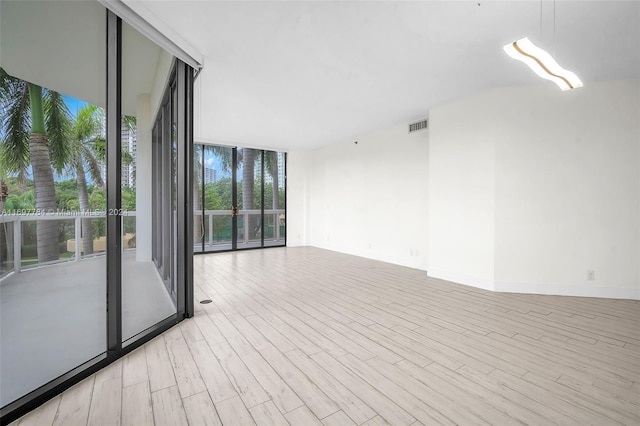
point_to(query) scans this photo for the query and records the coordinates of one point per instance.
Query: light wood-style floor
(311, 337)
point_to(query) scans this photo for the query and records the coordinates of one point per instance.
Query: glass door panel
(249, 172)
(218, 198)
(148, 296)
(274, 199)
(52, 292)
(174, 193)
(240, 199)
(199, 230)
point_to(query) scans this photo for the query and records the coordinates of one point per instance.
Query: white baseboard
(534, 288)
(568, 290)
(461, 279)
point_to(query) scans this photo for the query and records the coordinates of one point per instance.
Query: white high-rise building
(129, 145)
(267, 173)
(210, 175)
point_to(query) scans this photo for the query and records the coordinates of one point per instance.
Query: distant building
(129, 145)
(267, 173)
(210, 175)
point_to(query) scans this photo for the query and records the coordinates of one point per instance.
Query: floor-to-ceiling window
(53, 223)
(80, 279)
(148, 294)
(239, 198)
(165, 193)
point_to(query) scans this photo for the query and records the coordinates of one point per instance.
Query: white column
(143, 179)
(17, 245)
(78, 238)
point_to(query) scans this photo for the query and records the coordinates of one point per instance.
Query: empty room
(319, 212)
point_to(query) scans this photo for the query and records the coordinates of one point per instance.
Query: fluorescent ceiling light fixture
(542, 63)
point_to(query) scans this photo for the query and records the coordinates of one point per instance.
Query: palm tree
(248, 170)
(246, 157)
(86, 136)
(271, 166)
(35, 123)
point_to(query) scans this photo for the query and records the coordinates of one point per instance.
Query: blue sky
(73, 104)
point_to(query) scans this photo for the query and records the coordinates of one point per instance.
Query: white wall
(520, 189)
(558, 174)
(461, 195)
(368, 199)
(162, 72)
(297, 198)
(144, 183)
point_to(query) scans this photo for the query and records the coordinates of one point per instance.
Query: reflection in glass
(199, 226)
(249, 185)
(274, 198)
(145, 299)
(52, 267)
(218, 200)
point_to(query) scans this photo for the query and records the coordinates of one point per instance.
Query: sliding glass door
(96, 243)
(240, 199)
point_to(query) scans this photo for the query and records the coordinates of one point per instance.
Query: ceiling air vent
(419, 125)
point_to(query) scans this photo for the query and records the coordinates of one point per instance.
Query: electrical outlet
(591, 275)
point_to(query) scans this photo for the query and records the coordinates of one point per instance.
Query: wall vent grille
(419, 125)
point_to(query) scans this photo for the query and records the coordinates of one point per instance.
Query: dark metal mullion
(184, 267)
(165, 157)
(181, 199)
(114, 177)
(154, 210)
(187, 115)
(188, 254)
(234, 198)
(262, 199)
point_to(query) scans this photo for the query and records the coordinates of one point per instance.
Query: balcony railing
(12, 241)
(12, 229)
(273, 218)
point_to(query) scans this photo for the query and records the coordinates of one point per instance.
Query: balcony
(65, 299)
(53, 314)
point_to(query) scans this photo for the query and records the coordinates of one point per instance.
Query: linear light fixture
(542, 63)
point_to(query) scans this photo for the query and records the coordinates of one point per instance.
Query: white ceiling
(74, 59)
(306, 74)
(291, 74)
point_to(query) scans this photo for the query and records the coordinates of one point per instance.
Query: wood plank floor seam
(305, 336)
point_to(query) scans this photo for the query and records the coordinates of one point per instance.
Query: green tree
(222, 188)
(213, 201)
(66, 195)
(86, 136)
(98, 202)
(35, 123)
(246, 158)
